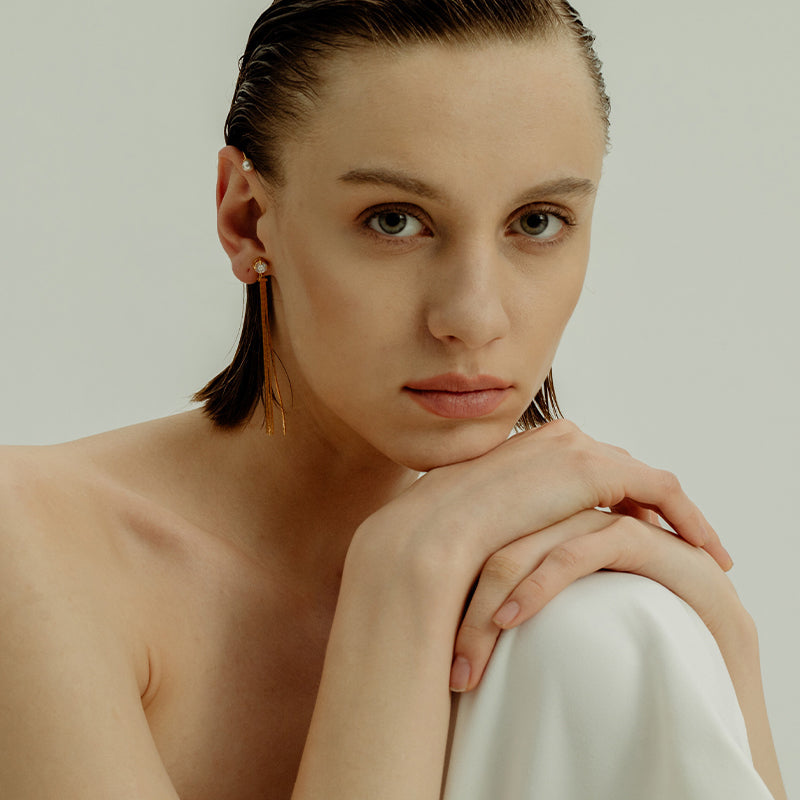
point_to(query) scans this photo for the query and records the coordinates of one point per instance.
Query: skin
(183, 570)
(466, 294)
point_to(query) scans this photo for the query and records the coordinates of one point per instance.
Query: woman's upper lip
(456, 382)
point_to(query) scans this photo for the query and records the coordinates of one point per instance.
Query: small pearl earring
(247, 165)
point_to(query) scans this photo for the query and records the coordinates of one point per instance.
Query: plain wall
(117, 301)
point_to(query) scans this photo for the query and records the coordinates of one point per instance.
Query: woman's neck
(299, 498)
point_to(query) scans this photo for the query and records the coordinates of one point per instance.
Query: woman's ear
(241, 202)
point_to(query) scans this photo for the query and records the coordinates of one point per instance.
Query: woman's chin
(424, 453)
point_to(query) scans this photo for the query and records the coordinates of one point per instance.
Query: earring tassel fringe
(270, 373)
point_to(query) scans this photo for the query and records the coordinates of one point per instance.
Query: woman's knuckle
(629, 543)
(565, 556)
(501, 568)
(590, 471)
(625, 526)
(562, 427)
(582, 457)
(533, 588)
(468, 634)
(669, 482)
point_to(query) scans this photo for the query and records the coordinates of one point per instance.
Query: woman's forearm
(380, 723)
(740, 651)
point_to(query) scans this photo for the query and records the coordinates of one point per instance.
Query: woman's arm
(72, 725)
(380, 723)
(739, 648)
(382, 712)
(523, 577)
(615, 690)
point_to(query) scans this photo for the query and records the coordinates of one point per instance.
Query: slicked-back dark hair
(279, 78)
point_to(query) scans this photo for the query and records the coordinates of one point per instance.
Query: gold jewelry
(247, 164)
(270, 374)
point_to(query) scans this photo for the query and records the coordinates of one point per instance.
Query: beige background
(116, 301)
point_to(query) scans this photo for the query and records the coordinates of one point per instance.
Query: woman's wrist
(381, 719)
(430, 566)
(738, 644)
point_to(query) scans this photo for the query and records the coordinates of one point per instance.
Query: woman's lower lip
(459, 405)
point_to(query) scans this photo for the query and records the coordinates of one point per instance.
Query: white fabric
(615, 691)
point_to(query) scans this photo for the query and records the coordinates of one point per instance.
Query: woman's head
(318, 75)
(282, 69)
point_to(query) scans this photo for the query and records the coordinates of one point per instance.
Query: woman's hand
(501, 514)
(410, 567)
(521, 578)
(541, 477)
(459, 516)
(408, 571)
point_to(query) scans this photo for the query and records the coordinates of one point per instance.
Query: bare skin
(206, 614)
(224, 648)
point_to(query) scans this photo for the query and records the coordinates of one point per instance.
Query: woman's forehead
(437, 80)
(442, 110)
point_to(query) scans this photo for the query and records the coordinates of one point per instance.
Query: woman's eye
(395, 223)
(539, 225)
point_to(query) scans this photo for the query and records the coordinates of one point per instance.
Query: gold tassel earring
(270, 374)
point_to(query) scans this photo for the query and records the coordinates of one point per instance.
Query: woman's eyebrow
(396, 178)
(561, 187)
(558, 187)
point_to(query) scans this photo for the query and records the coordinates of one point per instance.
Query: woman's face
(430, 242)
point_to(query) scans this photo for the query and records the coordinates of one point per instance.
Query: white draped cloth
(616, 690)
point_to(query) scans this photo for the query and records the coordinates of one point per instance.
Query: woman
(418, 229)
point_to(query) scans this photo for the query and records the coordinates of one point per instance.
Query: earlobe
(241, 202)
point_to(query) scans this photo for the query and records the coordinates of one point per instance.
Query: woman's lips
(459, 396)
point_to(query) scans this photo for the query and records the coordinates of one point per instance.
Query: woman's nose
(466, 301)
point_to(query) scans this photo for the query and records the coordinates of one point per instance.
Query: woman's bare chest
(234, 676)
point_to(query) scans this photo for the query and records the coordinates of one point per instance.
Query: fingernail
(459, 674)
(506, 614)
(730, 560)
(726, 555)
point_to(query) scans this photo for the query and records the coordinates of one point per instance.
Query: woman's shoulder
(42, 488)
(118, 505)
(55, 518)
(62, 571)
(74, 647)
(86, 499)
(46, 487)
(84, 540)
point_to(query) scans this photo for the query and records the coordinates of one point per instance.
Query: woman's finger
(630, 507)
(501, 574)
(674, 507)
(540, 478)
(633, 509)
(557, 470)
(626, 545)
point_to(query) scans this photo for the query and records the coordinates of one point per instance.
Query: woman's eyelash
(558, 212)
(565, 220)
(402, 209)
(415, 213)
